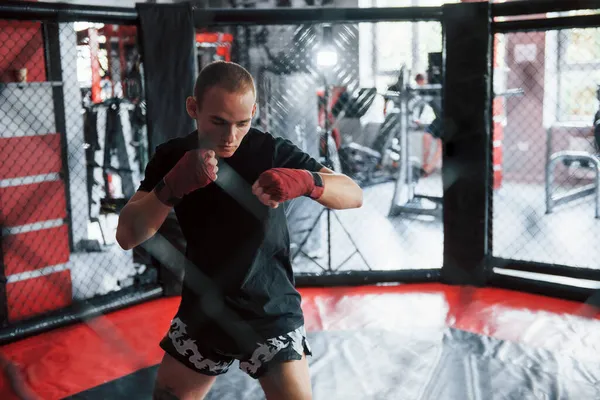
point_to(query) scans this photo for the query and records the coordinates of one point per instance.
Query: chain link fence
(72, 144)
(343, 93)
(546, 202)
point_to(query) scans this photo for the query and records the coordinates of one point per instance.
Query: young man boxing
(227, 182)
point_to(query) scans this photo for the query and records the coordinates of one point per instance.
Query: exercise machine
(569, 157)
(554, 200)
(407, 99)
(366, 165)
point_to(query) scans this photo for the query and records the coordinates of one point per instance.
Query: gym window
(572, 74)
(386, 46)
(578, 74)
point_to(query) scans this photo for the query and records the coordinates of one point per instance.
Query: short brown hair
(227, 75)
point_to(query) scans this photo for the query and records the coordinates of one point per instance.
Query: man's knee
(286, 395)
(286, 390)
(289, 380)
(177, 381)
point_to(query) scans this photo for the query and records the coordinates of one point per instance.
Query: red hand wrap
(284, 184)
(189, 174)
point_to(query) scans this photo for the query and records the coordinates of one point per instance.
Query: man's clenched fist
(196, 169)
(277, 185)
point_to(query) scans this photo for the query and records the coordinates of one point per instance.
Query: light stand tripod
(329, 212)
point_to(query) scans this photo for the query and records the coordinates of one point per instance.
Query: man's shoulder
(177, 145)
(257, 135)
(258, 140)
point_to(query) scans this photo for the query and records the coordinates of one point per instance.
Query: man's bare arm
(340, 191)
(140, 219)
(277, 185)
(145, 212)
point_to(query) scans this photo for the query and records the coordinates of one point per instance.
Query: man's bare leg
(429, 166)
(289, 380)
(175, 381)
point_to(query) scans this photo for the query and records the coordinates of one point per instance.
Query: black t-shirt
(240, 244)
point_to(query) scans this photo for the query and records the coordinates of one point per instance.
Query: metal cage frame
(468, 205)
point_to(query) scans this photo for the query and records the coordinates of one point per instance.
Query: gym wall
(35, 236)
(53, 252)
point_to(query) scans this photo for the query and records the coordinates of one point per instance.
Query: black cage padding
(167, 39)
(467, 147)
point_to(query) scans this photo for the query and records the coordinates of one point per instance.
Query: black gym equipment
(113, 149)
(366, 165)
(376, 163)
(383, 160)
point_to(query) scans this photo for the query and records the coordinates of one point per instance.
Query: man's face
(223, 118)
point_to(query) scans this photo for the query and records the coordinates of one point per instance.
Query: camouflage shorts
(179, 345)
